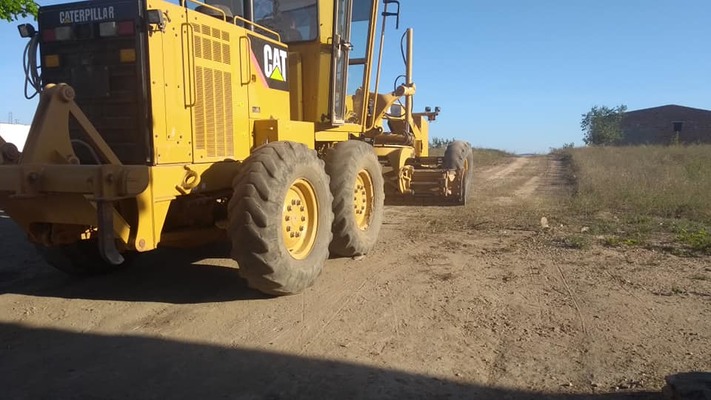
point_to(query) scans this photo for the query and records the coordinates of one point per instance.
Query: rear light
(63, 33)
(51, 61)
(60, 33)
(108, 29)
(127, 55)
(48, 35)
(126, 28)
(113, 28)
(87, 31)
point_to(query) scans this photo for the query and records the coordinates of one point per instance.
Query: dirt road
(467, 312)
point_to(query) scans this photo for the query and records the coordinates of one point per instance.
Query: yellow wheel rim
(300, 219)
(363, 199)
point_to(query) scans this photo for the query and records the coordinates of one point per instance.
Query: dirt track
(471, 313)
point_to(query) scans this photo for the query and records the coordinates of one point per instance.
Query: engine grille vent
(214, 127)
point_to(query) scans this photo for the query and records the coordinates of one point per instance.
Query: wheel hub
(299, 219)
(363, 200)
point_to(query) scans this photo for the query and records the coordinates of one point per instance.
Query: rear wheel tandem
(358, 197)
(280, 218)
(459, 156)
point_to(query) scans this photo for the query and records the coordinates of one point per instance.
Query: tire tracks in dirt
(501, 172)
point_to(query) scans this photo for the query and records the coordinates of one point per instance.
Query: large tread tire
(344, 162)
(256, 218)
(82, 258)
(459, 155)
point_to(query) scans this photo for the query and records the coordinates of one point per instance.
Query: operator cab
(294, 20)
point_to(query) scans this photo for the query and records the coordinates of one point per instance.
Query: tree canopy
(439, 143)
(10, 10)
(602, 125)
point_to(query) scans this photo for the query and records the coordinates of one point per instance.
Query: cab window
(294, 20)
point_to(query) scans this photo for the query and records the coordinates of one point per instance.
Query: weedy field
(484, 157)
(658, 196)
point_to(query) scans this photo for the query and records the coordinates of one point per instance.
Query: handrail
(235, 18)
(256, 25)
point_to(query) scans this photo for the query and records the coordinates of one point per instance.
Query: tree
(439, 143)
(11, 9)
(602, 125)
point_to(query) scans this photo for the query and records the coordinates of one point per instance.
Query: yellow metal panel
(397, 155)
(169, 95)
(315, 72)
(384, 151)
(265, 102)
(339, 133)
(423, 124)
(331, 136)
(296, 82)
(272, 130)
(169, 182)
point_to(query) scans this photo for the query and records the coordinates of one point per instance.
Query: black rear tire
(459, 155)
(258, 219)
(355, 226)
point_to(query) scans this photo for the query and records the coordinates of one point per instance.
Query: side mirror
(395, 14)
(26, 30)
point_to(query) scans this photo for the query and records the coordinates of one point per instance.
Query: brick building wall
(656, 125)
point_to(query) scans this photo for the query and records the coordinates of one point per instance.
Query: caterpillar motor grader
(256, 121)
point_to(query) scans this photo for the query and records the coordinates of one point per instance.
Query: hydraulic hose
(29, 60)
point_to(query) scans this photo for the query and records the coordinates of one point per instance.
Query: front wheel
(459, 156)
(280, 218)
(358, 197)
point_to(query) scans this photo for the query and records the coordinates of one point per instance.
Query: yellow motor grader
(257, 121)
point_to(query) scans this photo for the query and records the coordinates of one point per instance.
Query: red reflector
(125, 28)
(48, 35)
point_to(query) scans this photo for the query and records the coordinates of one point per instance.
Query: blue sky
(518, 74)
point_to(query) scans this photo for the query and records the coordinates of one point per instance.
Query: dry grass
(489, 157)
(482, 157)
(652, 197)
(635, 194)
(668, 182)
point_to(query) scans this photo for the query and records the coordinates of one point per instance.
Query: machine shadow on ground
(48, 363)
(179, 276)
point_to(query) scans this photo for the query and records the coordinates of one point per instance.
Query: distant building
(15, 134)
(665, 125)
